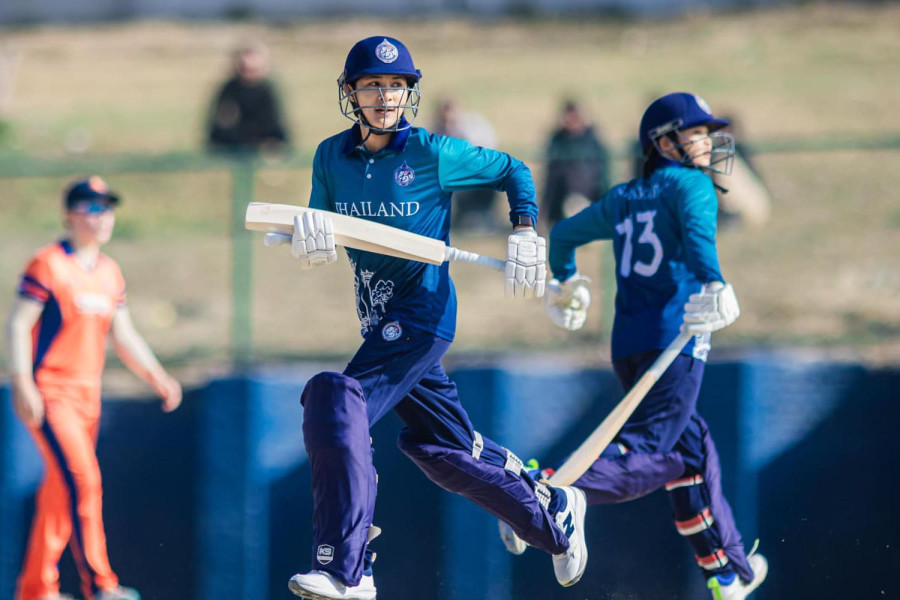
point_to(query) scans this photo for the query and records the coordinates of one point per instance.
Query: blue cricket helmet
(674, 112)
(379, 55)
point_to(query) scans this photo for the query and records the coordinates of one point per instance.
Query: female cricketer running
(71, 297)
(385, 170)
(663, 229)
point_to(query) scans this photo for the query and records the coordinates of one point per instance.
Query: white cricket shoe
(513, 543)
(319, 585)
(569, 567)
(118, 593)
(739, 589)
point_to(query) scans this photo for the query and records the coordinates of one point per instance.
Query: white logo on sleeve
(386, 52)
(325, 554)
(391, 331)
(404, 175)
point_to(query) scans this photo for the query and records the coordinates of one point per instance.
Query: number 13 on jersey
(647, 236)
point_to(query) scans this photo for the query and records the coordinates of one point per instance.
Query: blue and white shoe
(319, 585)
(569, 567)
(118, 593)
(737, 589)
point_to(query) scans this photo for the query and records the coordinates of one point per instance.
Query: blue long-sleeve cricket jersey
(408, 185)
(663, 230)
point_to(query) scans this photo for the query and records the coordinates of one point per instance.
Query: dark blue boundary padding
(213, 500)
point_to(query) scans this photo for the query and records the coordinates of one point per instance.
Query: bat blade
(350, 232)
(583, 457)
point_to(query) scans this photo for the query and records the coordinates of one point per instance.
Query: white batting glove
(312, 242)
(567, 308)
(712, 309)
(526, 264)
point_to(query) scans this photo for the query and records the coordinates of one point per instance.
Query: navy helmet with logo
(672, 113)
(379, 55)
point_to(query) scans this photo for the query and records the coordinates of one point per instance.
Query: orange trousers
(69, 502)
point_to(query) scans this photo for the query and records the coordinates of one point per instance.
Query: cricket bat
(370, 236)
(583, 457)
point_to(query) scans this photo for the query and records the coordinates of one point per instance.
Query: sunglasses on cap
(91, 207)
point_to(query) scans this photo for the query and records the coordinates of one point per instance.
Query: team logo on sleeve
(325, 554)
(386, 52)
(391, 331)
(404, 175)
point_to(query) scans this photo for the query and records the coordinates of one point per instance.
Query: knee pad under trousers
(703, 516)
(336, 435)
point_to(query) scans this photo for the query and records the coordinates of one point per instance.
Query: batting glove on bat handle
(566, 302)
(526, 264)
(714, 308)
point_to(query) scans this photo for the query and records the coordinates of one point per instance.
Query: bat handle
(457, 255)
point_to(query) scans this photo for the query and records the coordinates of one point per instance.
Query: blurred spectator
(748, 200)
(577, 165)
(246, 114)
(474, 208)
(10, 59)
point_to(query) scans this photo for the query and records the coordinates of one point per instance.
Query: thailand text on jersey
(70, 336)
(408, 185)
(663, 230)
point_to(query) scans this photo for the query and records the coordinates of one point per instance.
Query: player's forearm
(18, 349)
(701, 256)
(19, 345)
(698, 231)
(137, 356)
(568, 235)
(521, 193)
(134, 351)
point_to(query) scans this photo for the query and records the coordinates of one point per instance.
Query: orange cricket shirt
(79, 304)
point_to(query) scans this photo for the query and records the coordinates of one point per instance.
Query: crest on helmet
(703, 104)
(386, 52)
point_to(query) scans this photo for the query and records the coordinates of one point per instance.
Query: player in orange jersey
(71, 298)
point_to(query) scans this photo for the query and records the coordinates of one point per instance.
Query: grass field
(822, 274)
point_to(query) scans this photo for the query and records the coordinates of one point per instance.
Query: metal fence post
(242, 180)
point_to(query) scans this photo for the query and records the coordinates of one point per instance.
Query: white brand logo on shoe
(325, 554)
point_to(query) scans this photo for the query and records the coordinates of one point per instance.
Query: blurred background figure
(748, 200)
(474, 208)
(246, 114)
(71, 299)
(10, 58)
(577, 165)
